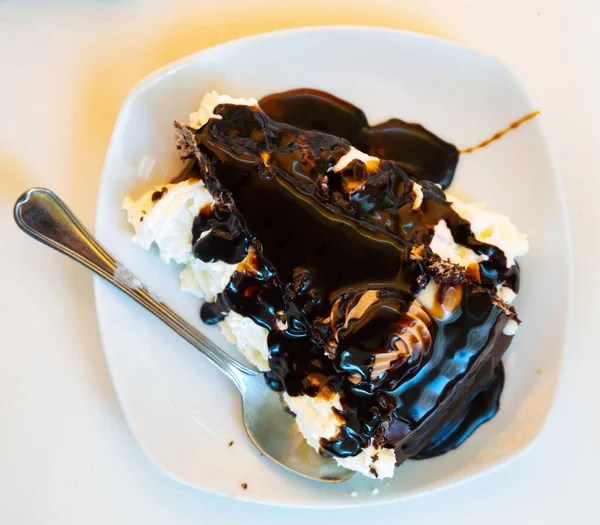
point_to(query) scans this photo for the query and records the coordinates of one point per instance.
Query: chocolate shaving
(184, 140)
(443, 271)
(438, 269)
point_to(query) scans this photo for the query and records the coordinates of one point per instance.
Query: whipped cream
(511, 327)
(317, 419)
(206, 280)
(382, 467)
(444, 245)
(417, 191)
(493, 228)
(355, 154)
(488, 226)
(506, 293)
(250, 338)
(208, 104)
(167, 223)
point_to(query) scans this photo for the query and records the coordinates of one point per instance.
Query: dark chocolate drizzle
(422, 155)
(307, 238)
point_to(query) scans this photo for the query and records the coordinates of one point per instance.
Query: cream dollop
(250, 338)
(317, 419)
(208, 104)
(417, 191)
(355, 154)
(506, 293)
(493, 228)
(444, 245)
(166, 220)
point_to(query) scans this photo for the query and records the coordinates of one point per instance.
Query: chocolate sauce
(423, 155)
(479, 407)
(309, 239)
(157, 195)
(501, 133)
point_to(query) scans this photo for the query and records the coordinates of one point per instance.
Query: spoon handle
(43, 216)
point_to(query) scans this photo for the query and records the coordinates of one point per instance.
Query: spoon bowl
(272, 429)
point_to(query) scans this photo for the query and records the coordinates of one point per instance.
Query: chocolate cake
(333, 255)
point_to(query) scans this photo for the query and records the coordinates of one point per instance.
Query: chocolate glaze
(458, 427)
(309, 239)
(423, 155)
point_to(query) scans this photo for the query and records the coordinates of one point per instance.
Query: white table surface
(66, 454)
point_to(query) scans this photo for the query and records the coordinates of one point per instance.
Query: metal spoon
(43, 216)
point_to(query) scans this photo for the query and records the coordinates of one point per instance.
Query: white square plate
(182, 411)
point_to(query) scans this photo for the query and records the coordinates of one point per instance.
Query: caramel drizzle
(500, 134)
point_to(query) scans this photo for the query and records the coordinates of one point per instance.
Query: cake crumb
(244, 486)
(354, 494)
(374, 492)
(539, 371)
(231, 443)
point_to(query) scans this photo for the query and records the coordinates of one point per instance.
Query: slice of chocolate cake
(381, 309)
